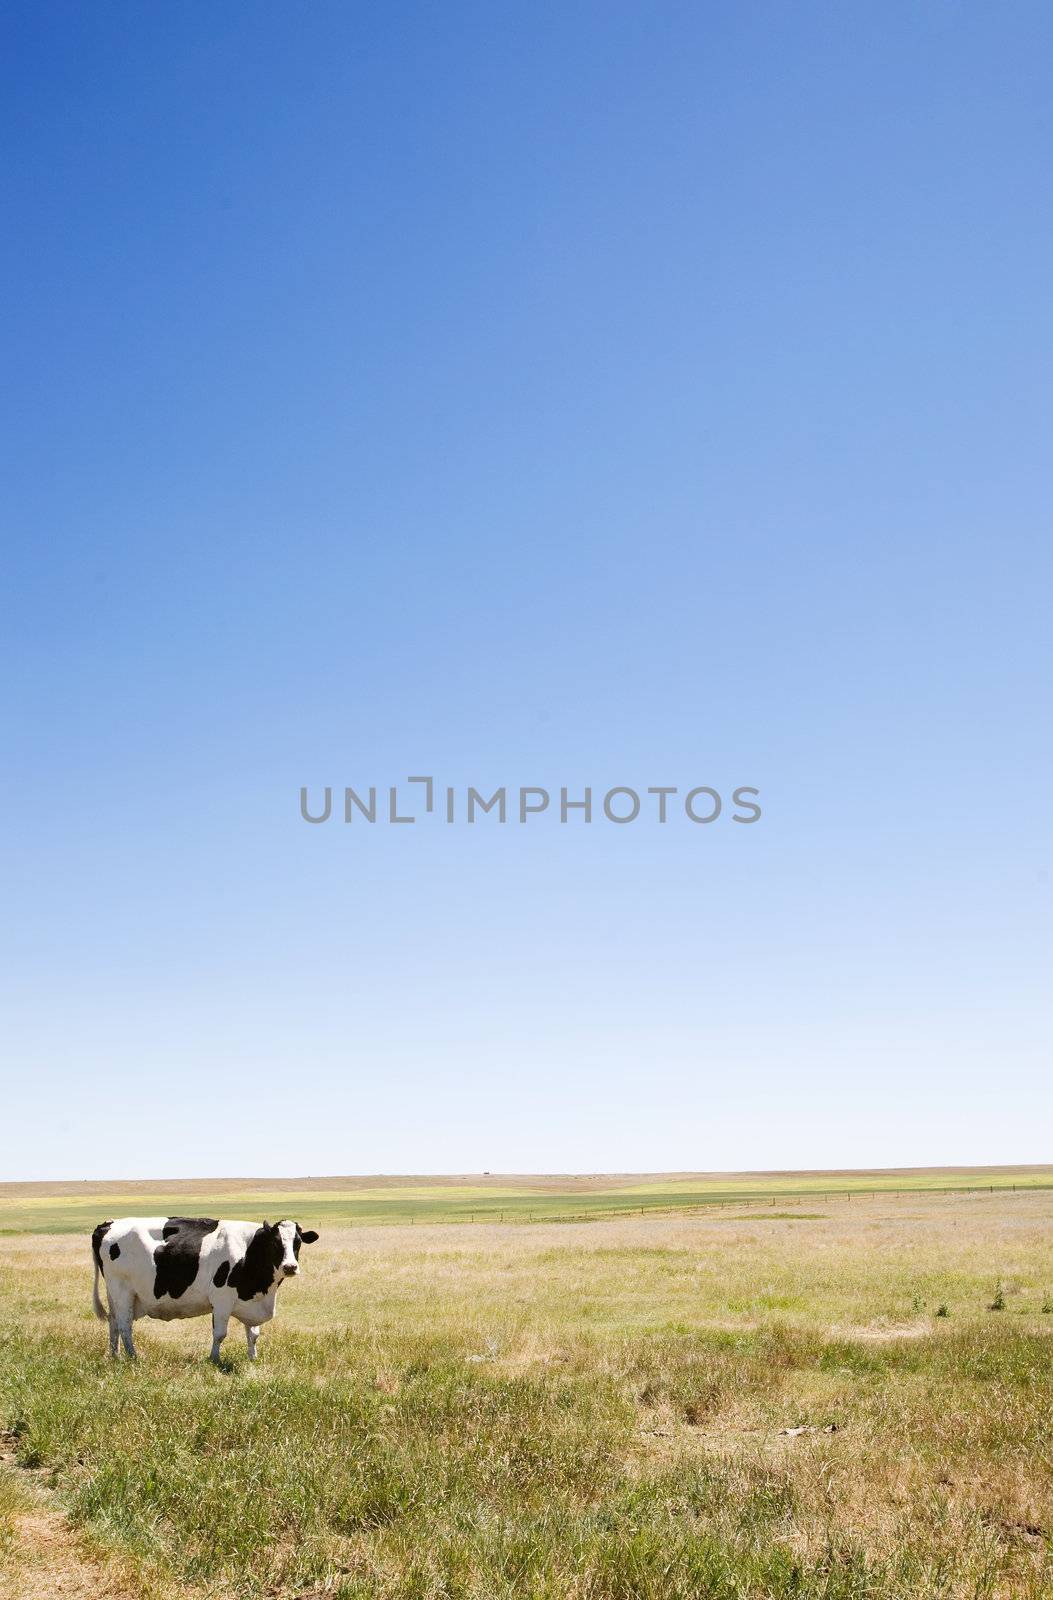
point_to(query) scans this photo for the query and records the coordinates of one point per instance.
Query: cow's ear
(266, 1225)
(309, 1237)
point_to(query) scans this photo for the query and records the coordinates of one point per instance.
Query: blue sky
(588, 394)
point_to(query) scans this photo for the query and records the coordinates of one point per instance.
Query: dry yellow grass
(649, 1407)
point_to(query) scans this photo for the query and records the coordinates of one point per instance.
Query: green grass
(452, 1480)
(584, 1412)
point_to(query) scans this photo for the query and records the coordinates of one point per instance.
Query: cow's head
(286, 1237)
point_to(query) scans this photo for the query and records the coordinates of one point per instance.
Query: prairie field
(820, 1393)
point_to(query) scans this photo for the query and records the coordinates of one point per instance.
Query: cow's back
(127, 1245)
(160, 1263)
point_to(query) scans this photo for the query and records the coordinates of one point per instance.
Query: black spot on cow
(174, 1225)
(221, 1274)
(254, 1273)
(115, 1251)
(176, 1260)
(97, 1236)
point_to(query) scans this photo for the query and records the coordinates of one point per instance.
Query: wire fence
(756, 1204)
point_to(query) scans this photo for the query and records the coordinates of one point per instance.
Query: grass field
(806, 1399)
(72, 1207)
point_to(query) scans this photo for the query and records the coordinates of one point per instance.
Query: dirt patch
(663, 1444)
(879, 1333)
(40, 1554)
(44, 1559)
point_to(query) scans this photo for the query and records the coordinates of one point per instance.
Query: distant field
(69, 1207)
(808, 1401)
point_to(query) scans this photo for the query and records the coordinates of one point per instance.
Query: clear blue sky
(589, 393)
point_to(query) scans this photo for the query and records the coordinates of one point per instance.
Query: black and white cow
(172, 1267)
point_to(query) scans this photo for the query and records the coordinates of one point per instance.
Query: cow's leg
(219, 1330)
(125, 1319)
(251, 1335)
(122, 1315)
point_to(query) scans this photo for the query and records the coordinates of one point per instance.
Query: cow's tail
(96, 1298)
(96, 1250)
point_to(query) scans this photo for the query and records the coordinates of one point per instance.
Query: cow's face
(289, 1236)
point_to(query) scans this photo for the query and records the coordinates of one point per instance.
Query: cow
(171, 1267)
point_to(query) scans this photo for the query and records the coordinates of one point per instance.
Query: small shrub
(1047, 1304)
(943, 1310)
(998, 1303)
